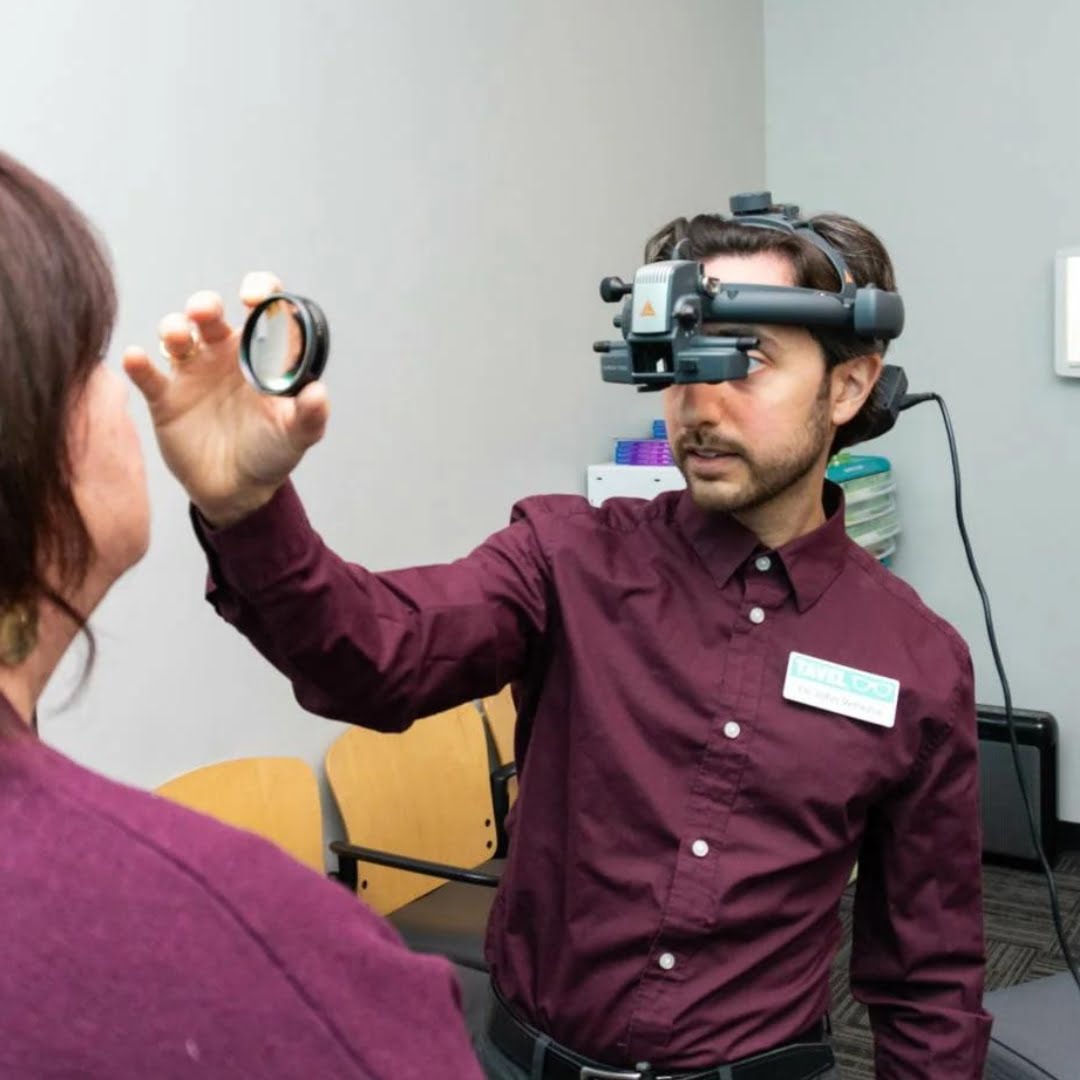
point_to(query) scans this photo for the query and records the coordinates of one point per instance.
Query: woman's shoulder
(134, 840)
(194, 910)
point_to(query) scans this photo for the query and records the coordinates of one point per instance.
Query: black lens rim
(315, 343)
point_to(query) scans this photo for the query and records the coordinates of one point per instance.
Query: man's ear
(852, 382)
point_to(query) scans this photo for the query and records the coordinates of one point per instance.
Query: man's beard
(765, 480)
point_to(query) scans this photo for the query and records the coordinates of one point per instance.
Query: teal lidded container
(871, 516)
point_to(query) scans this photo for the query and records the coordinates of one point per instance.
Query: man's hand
(228, 445)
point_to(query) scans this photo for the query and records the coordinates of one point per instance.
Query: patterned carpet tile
(855, 1056)
(1008, 964)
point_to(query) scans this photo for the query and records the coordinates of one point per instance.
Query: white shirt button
(763, 563)
(700, 848)
(732, 729)
(666, 961)
(757, 616)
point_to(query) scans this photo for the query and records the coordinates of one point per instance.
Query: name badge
(846, 691)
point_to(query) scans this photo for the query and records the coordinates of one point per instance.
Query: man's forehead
(758, 268)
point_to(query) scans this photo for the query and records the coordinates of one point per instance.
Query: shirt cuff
(260, 549)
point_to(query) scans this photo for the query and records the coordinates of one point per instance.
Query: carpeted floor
(1020, 942)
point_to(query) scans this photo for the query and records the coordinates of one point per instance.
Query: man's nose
(702, 404)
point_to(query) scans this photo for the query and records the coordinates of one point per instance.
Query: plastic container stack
(642, 452)
(870, 515)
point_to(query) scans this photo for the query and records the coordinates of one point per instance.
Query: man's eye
(755, 365)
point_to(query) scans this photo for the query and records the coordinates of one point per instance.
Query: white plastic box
(630, 481)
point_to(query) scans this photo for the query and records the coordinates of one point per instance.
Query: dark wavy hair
(707, 235)
(57, 307)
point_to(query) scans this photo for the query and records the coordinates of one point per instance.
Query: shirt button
(732, 729)
(757, 616)
(666, 961)
(700, 848)
(763, 563)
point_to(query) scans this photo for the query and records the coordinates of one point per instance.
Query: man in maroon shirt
(693, 796)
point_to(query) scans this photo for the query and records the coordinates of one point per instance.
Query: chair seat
(1034, 1031)
(451, 920)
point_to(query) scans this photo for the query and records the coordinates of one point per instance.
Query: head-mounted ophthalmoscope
(668, 303)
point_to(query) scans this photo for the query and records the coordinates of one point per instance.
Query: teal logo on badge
(847, 691)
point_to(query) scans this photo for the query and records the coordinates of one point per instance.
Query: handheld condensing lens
(284, 345)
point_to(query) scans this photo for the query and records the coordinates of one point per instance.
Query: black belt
(803, 1058)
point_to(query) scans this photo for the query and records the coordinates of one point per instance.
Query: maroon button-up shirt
(141, 941)
(683, 832)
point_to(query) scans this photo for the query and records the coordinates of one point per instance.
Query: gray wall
(951, 129)
(451, 181)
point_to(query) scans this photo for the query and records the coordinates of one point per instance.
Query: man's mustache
(692, 443)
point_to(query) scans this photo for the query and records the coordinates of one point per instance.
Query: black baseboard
(1016, 862)
(1068, 833)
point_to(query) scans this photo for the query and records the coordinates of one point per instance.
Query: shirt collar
(812, 561)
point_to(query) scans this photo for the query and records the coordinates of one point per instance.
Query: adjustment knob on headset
(614, 288)
(751, 202)
(688, 313)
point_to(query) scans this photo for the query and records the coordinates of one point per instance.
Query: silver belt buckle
(589, 1073)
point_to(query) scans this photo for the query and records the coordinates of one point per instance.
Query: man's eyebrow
(714, 329)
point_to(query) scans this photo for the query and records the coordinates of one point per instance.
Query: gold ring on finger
(188, 352)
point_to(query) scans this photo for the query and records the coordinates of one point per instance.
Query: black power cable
(1055, 909)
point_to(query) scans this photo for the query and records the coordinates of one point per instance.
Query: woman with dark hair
(139, 939)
